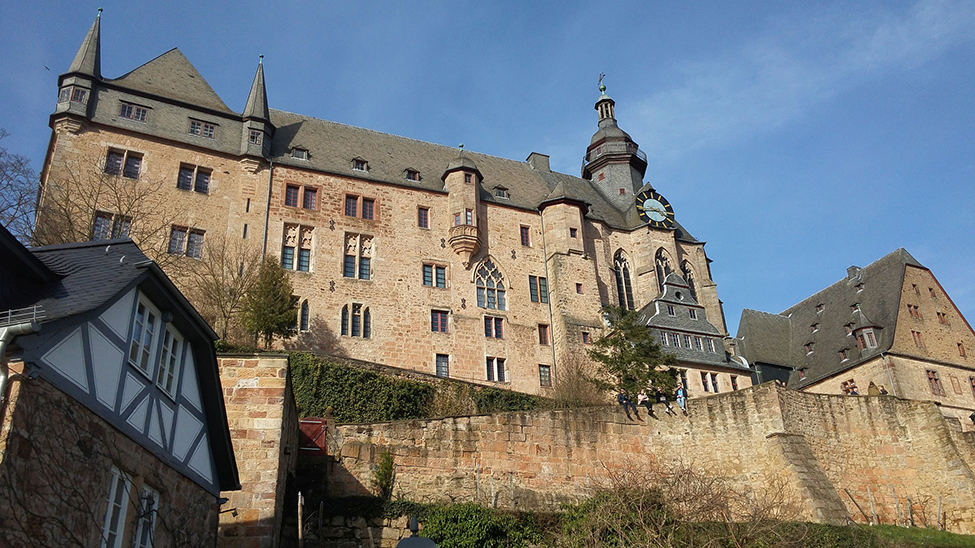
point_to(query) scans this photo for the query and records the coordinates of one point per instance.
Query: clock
(654, 209)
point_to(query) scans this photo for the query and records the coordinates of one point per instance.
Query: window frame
(544, 375)
(291, 193)
(934, 382)
(494, 327)
(173, 354)
(423, 217)
(118, 227)
(439, 321)
(299, 153)
(442, 365)
(544, 335)
(309, 198)
(129, 163)
(133, 112)
(113, 526)
(255, 137)
(358, 266)
(189, 244)
(147, 511)
(524, 233)
(538, 289)
(201, 128)
(490, 287)
(145, 350)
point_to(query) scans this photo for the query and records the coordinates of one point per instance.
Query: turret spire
(88, 61)
(256, 107)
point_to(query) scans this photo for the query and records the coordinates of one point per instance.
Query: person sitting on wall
(883, 391)
(643, 399)
(853, 389)
(873, 389)
(681, 394)
(624, 400)
(662, 398)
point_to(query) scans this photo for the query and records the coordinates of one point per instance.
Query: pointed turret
(462, 181)
(256, 107)
(614, 163)
(76, 86)
(88, 60)
(258, 130)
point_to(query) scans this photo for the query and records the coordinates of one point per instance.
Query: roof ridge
(413, 139)
(82, 245)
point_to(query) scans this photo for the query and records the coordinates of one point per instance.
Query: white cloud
(798, 63)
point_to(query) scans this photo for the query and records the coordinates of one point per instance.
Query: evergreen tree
(628, 355)
(268, 307)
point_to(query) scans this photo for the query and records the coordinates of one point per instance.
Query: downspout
(267, 209)
(551, 320)
(893, 387)
(7, 334)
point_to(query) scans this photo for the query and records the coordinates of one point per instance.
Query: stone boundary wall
(816, 447)
(263, 423)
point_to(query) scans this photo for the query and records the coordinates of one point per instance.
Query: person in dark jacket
(662, 398)
(624, 400)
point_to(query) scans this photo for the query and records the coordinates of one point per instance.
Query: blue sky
(796, 138)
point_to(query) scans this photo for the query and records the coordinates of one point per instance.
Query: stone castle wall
(817, 447)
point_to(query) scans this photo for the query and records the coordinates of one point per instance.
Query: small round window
(679, 295)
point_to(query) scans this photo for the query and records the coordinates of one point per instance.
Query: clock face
(654, 209)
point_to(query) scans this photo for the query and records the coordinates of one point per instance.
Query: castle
(401, 252)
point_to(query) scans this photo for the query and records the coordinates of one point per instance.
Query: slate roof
(655, 316)
(333, 146)
(256, 106)
(171, 75)
(781, 339)
(88, 60)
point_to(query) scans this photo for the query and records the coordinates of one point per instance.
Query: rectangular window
(434, 276)
(368, 208)
(573, 233)
(291, 196)
(579, 288)
(538, 289)
(412, 175)
(364, 268)
(674, 340)
(255, 137)
(710, 343)
(288, 257)
(692, 313)
(348, 268)
(356, 320)
(443, 365)
(489, 368)
(73, 94)
(843, 356)
(671, 311)
(194, 244)
(184, 181)
(586, 338)
(663, 339)
(467, 178)
(125, 163)
(118, 503)
(359, 165)
(545, 375)
(351, 205)
(358, 253)
(734, 382)
(687, 341)
(495, 369)
(961, 350)
(935, 383)
(203, 129)
(148, 507)
(304, 260)
(704, 382)
(310, 199)
(133, 112)
(107, 226)
(698, 344)
(543, 334)
(525, 237)
(438, 321)
(493, 327)
(918, 341)
(469, 217)
(456, 219)
(169, 361)
(144, 327)
(186, 241)
(714, 381)
(423, 217)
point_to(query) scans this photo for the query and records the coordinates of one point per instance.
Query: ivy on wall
(361, 396)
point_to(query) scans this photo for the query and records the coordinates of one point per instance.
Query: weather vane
(602, 86)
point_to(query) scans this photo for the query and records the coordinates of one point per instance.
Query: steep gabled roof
(866, 297)
(88, 60)
(256, 106)
(171, 75)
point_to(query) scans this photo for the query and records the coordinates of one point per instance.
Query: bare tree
(18, 193)
(81, 201)
(573, 385)
(219, 281)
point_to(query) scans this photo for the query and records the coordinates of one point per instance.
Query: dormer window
(815, 327)
(255, 136)
(299, 153)
(866, 339)
(203, 129)
(359, 164)
(501, 192)
(133, 112)
(820, 307)
(692, 313)
(412, 175)
(809, 348)
(859, 287)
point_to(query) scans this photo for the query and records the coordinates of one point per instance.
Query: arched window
(663, 267)
(358, 323)
(303, 317)
(490, 286)
(685, 269)
(623, 288)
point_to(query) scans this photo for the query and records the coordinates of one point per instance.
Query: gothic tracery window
(490, 286)
(624, 290)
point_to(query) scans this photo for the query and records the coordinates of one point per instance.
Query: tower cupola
(75, 87)
(258, 130)
(462, 180)
(613, 162)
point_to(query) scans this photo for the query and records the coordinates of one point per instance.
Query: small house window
(299, 153)
(412, 175)
(360, 165)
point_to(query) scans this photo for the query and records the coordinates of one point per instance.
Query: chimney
(538, 161)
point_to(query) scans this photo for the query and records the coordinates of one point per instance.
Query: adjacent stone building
(889, 324)
(401, 252)
(113, 431)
